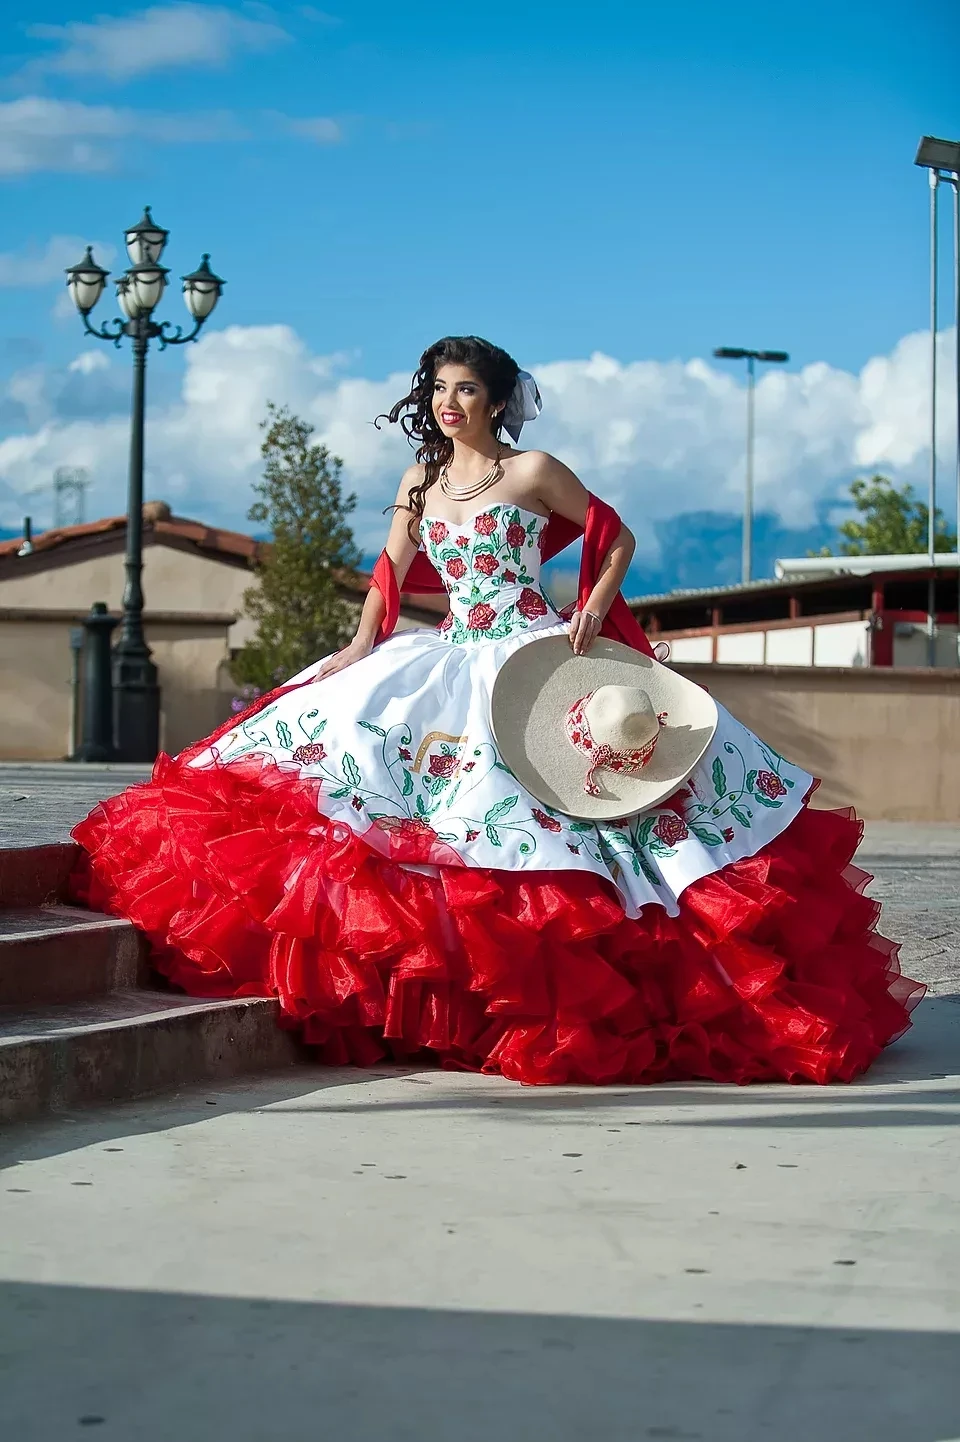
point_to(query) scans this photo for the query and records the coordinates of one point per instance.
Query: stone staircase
(82, 1018)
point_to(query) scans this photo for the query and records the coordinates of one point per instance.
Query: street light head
(85, 282)
(201, 290)
(145, 240)
(126, 298)
(939, 154)
(773, 357)
(731, 352)
(143, 289)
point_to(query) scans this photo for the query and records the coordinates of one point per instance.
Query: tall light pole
(769, 357)
(136, 692)
(941, 158)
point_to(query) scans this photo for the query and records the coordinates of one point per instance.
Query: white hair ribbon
(524, 405)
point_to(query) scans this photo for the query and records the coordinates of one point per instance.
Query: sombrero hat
(598, 736)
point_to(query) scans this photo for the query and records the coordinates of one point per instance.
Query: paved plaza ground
(411, 1254)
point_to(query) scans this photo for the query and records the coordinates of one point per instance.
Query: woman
(356, 845)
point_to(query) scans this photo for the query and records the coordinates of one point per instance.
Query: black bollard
(97, 740)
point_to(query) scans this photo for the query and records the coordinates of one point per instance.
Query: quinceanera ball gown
(357, 848)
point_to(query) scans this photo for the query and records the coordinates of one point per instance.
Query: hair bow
(524, 405)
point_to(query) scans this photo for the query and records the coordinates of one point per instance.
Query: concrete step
(34, 875)
(62, 953)
(129, 1043)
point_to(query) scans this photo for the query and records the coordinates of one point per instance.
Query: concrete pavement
(421, 1255)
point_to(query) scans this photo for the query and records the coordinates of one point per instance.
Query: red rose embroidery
(485, 524)
(438, 533)
(403, 753)
(510, 577)
(481, 617)
(770, 784)
(516, 535)
(547, 822)
(728, 833)
(446, 623)
(470, 765)
(531, 604)
(486, 564)
(670, 829)
(412, 827)
(457, 568)
(443, 765)
(357, 803)
(462, 541)
(574, 849)
(310, 755)
(472, 835)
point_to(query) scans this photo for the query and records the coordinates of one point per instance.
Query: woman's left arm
(558, 489)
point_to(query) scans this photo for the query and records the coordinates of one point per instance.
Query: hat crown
(621, 717)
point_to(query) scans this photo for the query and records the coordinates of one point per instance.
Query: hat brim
(532, 694)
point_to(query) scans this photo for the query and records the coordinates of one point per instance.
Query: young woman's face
(461, 405)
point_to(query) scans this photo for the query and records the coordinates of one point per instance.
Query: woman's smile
(452, 418)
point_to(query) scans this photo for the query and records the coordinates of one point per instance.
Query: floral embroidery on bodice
(490, 565)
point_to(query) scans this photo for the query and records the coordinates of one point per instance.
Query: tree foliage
(297, 604)
(890, 521)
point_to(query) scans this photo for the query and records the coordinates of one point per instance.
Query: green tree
(890, 522)
(297, 603)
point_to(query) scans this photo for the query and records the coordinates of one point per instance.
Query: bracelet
(598, 619)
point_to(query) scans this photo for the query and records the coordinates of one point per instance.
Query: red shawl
(601, 530)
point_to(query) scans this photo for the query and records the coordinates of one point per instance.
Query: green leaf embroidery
(408, 787)
(644, 830)
(421, 804)
(645, 867)
(343, 791)
(582, 825)
(369, 726)
(751, 778)
(765, 801)
(707, 835)
(500, 809)
(318, 730)
(284, 736)
(719, 777)
(493, 836)
(740, 816)
(350, 769)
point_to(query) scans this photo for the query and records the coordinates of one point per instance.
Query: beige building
(825, 670)
(194, 579)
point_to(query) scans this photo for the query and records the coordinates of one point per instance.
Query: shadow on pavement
(882, 1098)
(159, 1366)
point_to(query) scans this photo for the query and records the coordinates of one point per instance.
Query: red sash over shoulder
(601, 530)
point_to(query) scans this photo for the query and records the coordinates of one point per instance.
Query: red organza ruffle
(772, 970)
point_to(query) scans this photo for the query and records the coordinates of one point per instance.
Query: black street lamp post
(136, 692)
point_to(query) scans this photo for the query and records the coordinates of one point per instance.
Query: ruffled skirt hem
(772, 971)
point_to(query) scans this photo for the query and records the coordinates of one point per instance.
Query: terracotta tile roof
(157, 518)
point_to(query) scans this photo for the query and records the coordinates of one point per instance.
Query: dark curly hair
(494, 367)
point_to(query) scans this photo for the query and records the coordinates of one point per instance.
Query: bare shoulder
(534, 467)
(412, 476)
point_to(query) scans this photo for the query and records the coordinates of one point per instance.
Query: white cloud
(162, 36)
(89, 361)
(38, 134)
(320, 128)
(656, 439)
(42, 266)
(62, 135)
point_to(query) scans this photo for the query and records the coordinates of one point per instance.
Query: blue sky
(638, 180)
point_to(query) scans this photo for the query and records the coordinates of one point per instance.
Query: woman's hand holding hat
(584, 630)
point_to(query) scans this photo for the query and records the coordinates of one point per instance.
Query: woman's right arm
(401, 550)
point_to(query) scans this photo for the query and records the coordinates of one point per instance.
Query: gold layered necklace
(475, 488)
